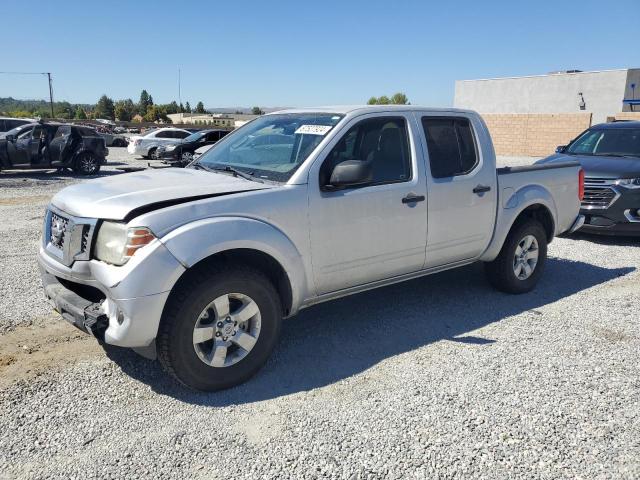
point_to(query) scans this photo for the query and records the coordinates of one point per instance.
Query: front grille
(598, 196)
(68, 238)
(58, 230)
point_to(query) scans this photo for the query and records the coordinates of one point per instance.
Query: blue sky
(296, 53)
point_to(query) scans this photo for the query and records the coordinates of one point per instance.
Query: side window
(164, 134)
(382, 141)
(212, 137)
(451, 145)
(180, 134)
(39, 132)
(26, 133)
(63, 131)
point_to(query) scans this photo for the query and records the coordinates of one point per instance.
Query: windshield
(16, 131)
(271, 147)
(613, 142)
(194, 137)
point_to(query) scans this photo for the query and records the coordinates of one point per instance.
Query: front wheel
(219, 327)
(521, 261)
(153, 154)
(87, 164)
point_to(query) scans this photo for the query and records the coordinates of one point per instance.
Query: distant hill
(244, 110)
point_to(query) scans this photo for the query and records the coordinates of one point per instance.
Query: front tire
(153, 154)
(518, 267)
(219, 327)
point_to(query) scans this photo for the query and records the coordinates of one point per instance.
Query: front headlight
(117, 243)
(629, 182)
(170, 148)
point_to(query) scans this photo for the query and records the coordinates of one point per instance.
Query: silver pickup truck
(199, 266)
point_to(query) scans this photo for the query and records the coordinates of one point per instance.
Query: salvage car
(147, 145)
(9, 123)
(181, 154)
(53, 145)
(610, 156)
(198, 266)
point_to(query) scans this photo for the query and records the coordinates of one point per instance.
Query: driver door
(19, 149)
(374, 231)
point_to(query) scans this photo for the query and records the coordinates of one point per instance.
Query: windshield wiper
(621, 155)
(201, 167)
(237, 173)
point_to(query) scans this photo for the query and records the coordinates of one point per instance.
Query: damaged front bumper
(118, 305)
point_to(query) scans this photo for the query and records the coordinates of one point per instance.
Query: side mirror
(350, 173)
(560, 148)
(11, 138)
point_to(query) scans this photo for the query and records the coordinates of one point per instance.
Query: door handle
(481, 189)
(412, 198)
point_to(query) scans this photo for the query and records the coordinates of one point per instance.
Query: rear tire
(518, 267)
(193, 327)
(86, 164)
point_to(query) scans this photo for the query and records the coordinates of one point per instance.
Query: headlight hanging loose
(117, 243)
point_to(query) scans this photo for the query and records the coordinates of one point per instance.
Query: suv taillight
(581, 184)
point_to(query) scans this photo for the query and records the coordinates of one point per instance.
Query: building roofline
(546, 75)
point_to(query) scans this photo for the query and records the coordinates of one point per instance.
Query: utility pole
(50, 93)
(179, 92)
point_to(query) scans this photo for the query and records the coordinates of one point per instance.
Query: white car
(146, 145)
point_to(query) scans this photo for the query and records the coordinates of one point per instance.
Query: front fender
(195, 241)
(509, 210)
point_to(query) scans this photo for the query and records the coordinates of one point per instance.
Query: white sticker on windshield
(313, 129)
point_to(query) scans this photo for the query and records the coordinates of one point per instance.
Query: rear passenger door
(461, 189)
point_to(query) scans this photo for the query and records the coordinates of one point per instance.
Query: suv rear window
(451, 145)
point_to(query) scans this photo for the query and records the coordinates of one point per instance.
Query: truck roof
(617, 124)
(347, 109)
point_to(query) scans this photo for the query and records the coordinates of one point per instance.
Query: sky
(302, 53)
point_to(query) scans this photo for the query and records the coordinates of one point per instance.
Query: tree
(172, 107)
(80, 115)
(257, 111)
(399, 99)
(200, 108)
(181, 108)
(187, 108)
(125, 110)
(145, 101)
(105, 108)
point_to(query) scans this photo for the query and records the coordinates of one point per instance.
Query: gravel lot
(439, 377)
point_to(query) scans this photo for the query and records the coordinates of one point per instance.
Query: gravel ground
(439, 377)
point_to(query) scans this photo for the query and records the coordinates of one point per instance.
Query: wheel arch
(251, 242)
(541, 209)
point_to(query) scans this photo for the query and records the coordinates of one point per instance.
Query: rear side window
(452, 147)
(180, 134)
(164, 134)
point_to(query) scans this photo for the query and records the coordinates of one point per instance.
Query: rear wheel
(86, 164)
(219, 328)
(521, 261)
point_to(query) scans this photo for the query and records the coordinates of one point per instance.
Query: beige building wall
(626, 116)
(534, 134)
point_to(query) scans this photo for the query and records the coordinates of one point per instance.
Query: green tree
(172, 107)
(399, 99)
(187, 108)
(105, 108)
(200, 108)
(80, 115)
(145, 101)
(125, 110)
(181, 108)
(257, 111)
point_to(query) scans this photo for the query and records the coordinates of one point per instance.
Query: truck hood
(117, 196)
(600, 167)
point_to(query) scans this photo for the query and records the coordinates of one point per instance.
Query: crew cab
(147, 145)
(609, 153)
(198, 266)
(53, 145)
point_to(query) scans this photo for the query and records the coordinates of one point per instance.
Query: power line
(48, 74)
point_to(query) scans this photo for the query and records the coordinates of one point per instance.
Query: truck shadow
(333, 341)
(619, 240)
(55, 175)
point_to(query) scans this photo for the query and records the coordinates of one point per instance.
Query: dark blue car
(610, 156)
